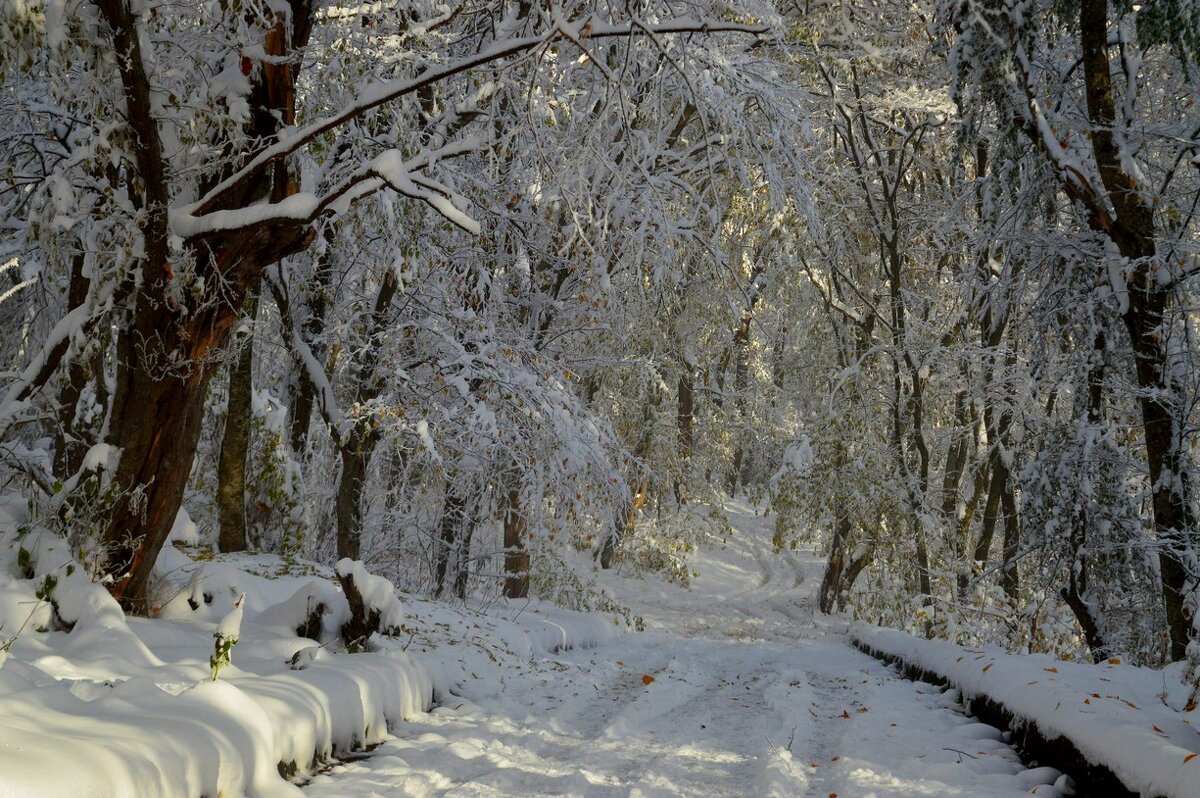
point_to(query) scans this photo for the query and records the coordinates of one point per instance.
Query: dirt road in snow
(735, 689)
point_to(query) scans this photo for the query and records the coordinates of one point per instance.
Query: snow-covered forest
(589, 398)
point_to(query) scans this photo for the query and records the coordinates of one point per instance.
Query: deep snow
(736, 688)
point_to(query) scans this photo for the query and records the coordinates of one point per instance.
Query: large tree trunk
(516, 556)
(235, 444)
(164, 352)
(1162, 405)
(155, 423)
(348, 504)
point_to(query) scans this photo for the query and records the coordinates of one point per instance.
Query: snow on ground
(735, 689)
(95, 703)
(1116, 715)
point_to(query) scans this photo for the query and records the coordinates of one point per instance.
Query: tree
(215, 170)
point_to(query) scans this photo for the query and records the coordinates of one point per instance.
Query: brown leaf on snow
(988, 666)
(1050, 670)
(1188, 758)
(1114, 661)
(1160, 731)
(845, 714)
(647, 679)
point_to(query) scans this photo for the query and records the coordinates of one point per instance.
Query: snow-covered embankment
(1110, 726)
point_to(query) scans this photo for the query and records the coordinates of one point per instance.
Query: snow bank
(98, 704)
(1116, 716)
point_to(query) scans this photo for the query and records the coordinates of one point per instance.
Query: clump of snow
(184, 529)
(378, 594)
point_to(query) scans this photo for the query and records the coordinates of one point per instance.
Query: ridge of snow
(1114, 714)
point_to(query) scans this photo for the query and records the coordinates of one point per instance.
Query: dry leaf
(1160, 731)
(1115, 661)
(1188, 758)
(845, 714)
(1050, 670)
(986, 667)
(647, 679)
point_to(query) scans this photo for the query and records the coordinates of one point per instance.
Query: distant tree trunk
(991, 511)
(516, 556)
(831, 582)
(310, 329)
(454, 505)
(68, 448)
(956, 457)
(741, 379)
(685, 420)
(235, 444)
(627, 515)
(1077, 594)
(466, 536)
(358, 446)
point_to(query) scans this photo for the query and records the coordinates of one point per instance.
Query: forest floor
(736, 688)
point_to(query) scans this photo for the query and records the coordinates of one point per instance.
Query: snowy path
(734, 690)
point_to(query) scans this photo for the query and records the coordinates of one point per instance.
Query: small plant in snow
(226, 637)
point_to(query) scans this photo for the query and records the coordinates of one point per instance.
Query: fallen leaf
(987, 667)
(813, 764)
(1115, 661)
(622, 664)
(1033, 682)
(1160, 731)
(1190, 706)
(861, 710)
(836, 758)
(1087, 700)
(960, 659)
(647, 679)
(1188, 758)
(1050, 670)
(845, 714)
(1130, 703)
